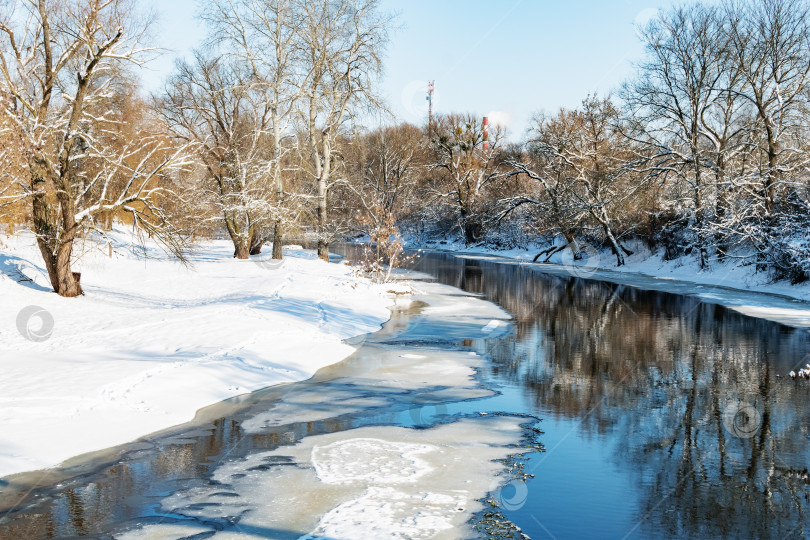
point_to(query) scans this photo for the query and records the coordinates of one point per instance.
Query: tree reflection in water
(693, 395)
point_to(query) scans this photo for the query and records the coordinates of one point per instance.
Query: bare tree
(342, 42)
(265, 35)
(59, 65)
(680, 82)
(727, 126)
(217, 105)
(468, 165)
(546, 189)
(585, 165)
(769, 41)
(383, 167)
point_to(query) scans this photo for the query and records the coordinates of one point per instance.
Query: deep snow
(152, 341)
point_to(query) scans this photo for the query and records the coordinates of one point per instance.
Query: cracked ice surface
(373, 482)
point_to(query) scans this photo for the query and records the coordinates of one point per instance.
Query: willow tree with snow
(62, 64)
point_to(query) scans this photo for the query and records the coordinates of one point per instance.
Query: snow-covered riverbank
(416, 473)
(152, 341)
(725, 283)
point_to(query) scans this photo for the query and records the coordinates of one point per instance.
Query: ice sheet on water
(387, 513)
(166, 531)
(382, 482)
(375, 461)
(377, 377)
(447, 301)
(445, 316)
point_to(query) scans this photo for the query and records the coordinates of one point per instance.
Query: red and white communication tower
(486, 134)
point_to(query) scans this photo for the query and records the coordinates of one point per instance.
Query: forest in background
(262, 136)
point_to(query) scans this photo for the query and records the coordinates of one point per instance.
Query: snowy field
(728, 283)
(152, 341)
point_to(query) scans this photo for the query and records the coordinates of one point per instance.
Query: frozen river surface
(573, 408)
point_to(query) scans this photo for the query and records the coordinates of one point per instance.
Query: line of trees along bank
(703, 153)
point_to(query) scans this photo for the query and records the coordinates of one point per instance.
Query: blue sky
(506, 58)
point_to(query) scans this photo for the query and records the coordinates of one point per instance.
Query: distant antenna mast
(431, 87)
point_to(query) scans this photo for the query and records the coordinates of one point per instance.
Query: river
(591, 409)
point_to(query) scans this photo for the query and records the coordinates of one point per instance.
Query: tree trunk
(241, 251)
(770, 178)
(614, 244)
(241, 244)
(256, 241)
(471, 227)
(56, 252)
(470, 232)
(703, 253)
(323, 244)
(278, 240)
(278, 230)
(256, 249)
(64, 281)
(720, 208)
(615, 247)
(699, 211)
